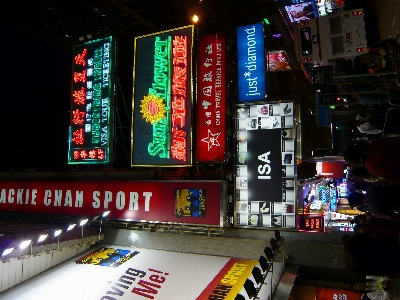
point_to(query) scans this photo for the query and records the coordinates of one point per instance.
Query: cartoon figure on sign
(190, 203)
(107, 257)
(194, 204)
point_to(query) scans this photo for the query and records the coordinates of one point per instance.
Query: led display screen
(251, 62)
(278, 60)
(162, 98)
(91, 129)
(311, 223)
(301, 11)
(265, 188)
(296, 11)
(211, 103)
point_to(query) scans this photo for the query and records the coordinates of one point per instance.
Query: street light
(195, 18)
(57, 235)
(25, 244)
(42, 237)
(70, 227)
(82, 223)
(7, 251)
(104, 214)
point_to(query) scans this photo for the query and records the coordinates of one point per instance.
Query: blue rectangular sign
(251, 62)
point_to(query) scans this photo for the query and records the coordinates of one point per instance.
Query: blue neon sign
(251, 62)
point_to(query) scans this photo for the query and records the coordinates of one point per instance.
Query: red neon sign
(311, 223)
(179, 82)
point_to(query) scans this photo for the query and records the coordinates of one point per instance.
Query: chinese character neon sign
(90, 138)
(162, 123)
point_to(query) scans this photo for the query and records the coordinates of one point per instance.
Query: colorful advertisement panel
(162, 99)
(301, 11)
(278, 60)
(211, 92)
(91, 129)
(230, 280)
(114, 272)
(251, 62)
(191, 202)
(296, 11)
(265, 165)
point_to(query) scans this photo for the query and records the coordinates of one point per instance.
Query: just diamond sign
(251, 62)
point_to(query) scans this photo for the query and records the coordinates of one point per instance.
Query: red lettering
(80, 76)
(83, 154)
(147, 289)
(78, 136)
(100, 153)
(80, 96)
(78, 117)
(80, 58)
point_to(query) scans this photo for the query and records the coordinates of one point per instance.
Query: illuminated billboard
(189, 202)
(211, 102)
(265, 179)
(114, 272)
(278, 60)
(91, 122)
(301, 12)
(297, 11)
(251, 62)
(162, 99)
(311, 223)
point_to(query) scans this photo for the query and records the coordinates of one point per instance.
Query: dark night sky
(34, 111)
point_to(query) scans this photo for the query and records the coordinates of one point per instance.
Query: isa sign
(251, 62)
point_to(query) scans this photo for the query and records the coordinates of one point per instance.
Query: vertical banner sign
(91, 123)
(251, 62)
(162, 99)
(210, 142)
(265, 181)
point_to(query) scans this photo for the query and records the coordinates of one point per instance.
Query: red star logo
(211, 139)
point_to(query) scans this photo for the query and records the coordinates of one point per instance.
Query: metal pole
(58, 242)
(82, 235)
(101, 223)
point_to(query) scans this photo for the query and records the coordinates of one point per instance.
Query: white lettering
(96, 200)
(133, 203)
(147, 196)
(265, 168)
(120, 200)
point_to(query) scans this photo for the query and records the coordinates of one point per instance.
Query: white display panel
(114, 272)
(265, 164)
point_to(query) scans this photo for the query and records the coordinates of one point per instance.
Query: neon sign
(179, 82)
(90, 134)
(162, 125)
(311, 223)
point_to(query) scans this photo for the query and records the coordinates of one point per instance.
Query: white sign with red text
(113, 273)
